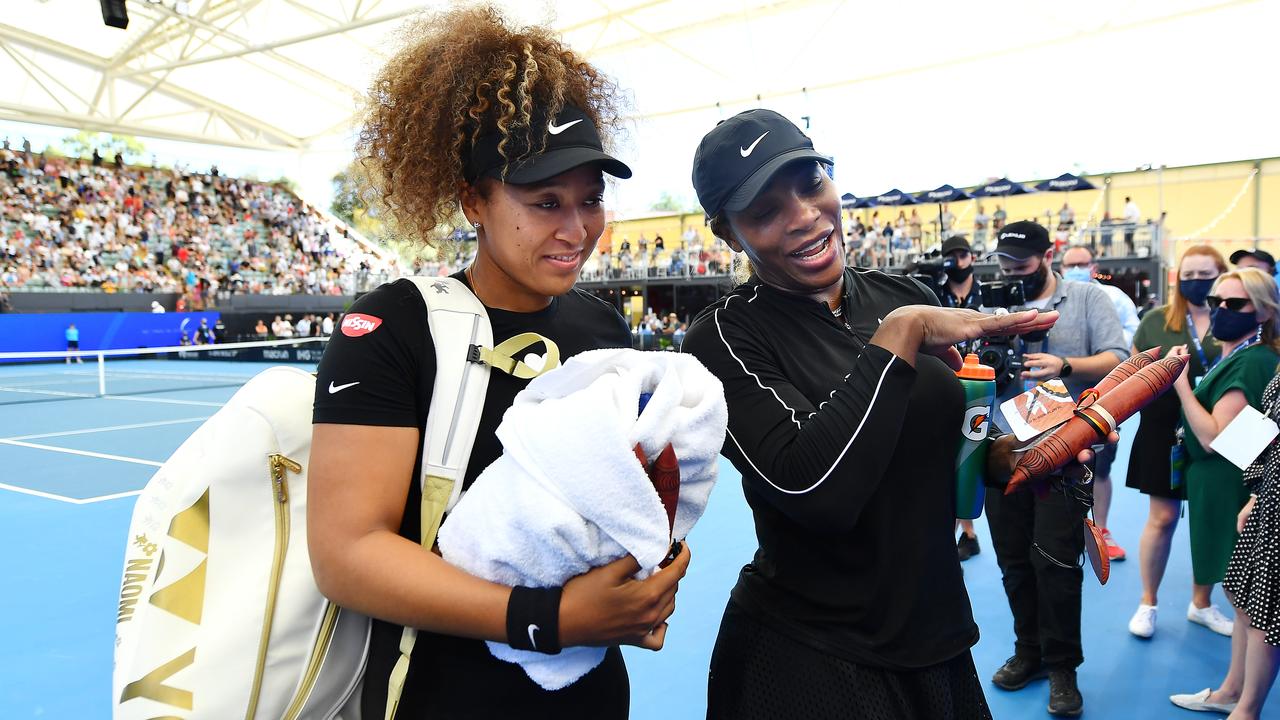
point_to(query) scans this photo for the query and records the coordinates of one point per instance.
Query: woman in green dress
(1184, 321)
(1244, 305)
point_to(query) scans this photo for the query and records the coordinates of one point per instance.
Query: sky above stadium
(908, 95)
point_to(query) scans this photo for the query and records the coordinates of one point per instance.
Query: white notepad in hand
(1244, 438)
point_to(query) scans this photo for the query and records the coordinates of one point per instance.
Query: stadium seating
(76, 224)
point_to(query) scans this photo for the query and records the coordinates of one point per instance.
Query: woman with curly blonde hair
(503, 124)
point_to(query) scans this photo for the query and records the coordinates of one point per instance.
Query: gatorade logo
(356, 324)
(976, 423)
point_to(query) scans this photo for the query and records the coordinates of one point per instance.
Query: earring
(475, 225)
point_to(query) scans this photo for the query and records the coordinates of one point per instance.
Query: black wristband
(533, 619)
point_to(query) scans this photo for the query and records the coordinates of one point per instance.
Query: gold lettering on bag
(152, 687)
(184, 598)
(135, 575)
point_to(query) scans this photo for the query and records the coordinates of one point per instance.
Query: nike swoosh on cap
(746, 151)
(532, 629)
(555, 129)
(339, 388)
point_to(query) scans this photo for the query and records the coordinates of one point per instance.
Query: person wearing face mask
(1183, 321)
(1078, 266)
(1039, 540)
(1243, 306)
(961, 288)
(844, 409)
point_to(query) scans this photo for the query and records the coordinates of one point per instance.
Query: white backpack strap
(461, 333)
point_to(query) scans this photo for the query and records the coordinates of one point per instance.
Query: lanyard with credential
(1195, 340)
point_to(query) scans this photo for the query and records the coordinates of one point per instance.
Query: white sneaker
(1200, 702)
(1211, 618)
(1143, 622)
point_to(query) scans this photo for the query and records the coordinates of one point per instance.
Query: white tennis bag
(219, 614)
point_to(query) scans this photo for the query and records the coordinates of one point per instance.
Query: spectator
(304, 326)
(219, 330)
(1184, 321)
(1066, 216)
(1132, 216)
(277, 327)
(156, 307)
(1243, 306)
(261, 329)
(997, 220)
(980, 222)
(1078, 266)
(1260, 259)
(658, 243)
(326, 327)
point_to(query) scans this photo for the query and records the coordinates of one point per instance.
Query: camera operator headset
(1038, 540)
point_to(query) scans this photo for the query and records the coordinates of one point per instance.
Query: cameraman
(1039, 541)
(961, 289)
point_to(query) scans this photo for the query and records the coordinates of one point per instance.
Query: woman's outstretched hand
(914, 329)
(607, 606)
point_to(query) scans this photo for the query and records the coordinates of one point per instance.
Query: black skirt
(759, 673)
(1149, 470)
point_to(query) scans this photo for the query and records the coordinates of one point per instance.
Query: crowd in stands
(108, 226)
(690, 256)
(875, 241)
(659, 332)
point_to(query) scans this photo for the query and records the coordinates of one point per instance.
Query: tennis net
(38, 376)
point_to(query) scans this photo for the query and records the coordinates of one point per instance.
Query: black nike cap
(571, 140)
(740, 155)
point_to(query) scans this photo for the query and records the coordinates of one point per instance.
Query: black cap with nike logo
(740, 155)
(572, 139)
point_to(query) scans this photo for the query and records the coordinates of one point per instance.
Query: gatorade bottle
(979, 383)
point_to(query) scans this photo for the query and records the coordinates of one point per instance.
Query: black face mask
(1032, 283)
(958, 274)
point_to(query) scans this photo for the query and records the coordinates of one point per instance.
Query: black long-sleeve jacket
(847, 456)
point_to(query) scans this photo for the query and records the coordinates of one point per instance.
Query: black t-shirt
(847, 457)
(379, 369)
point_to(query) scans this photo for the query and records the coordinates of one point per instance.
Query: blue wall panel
(98, 331)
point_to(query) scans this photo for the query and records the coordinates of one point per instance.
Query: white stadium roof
(878, 78)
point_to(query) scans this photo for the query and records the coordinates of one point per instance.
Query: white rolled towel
(567, 493)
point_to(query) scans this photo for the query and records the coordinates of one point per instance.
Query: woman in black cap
(844, 421)
(502, 124)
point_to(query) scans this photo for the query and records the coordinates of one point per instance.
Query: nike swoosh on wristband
(746, 151)
(555, 129)
(532, 629)
(339, 388)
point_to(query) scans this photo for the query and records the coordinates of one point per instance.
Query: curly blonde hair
(460, 75)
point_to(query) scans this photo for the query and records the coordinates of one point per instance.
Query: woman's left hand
(1243, 517)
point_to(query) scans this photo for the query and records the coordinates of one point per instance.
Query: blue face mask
(1195, 291)
(1078, 274)
(1229, 325)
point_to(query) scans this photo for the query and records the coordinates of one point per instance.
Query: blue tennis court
(71, 465)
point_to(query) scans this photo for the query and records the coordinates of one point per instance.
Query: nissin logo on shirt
(356, 324)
